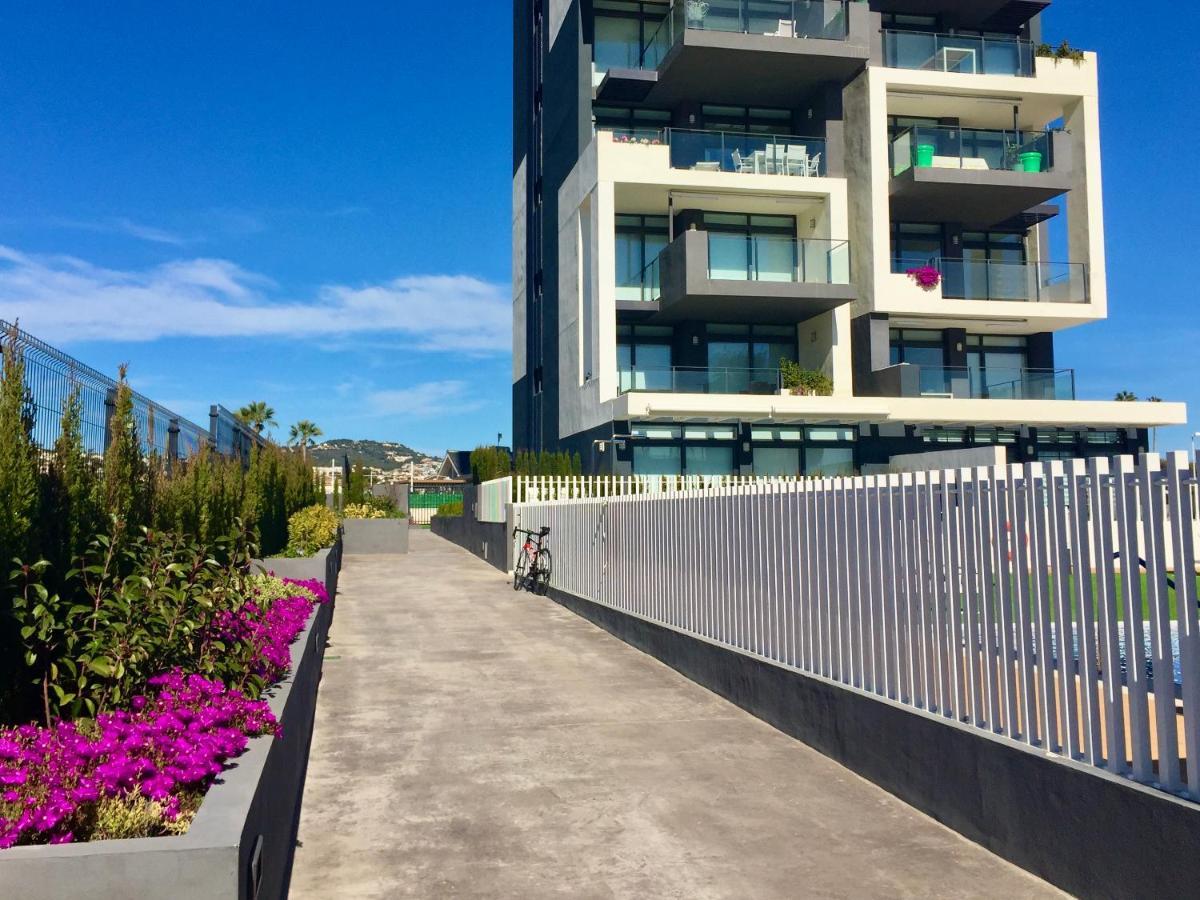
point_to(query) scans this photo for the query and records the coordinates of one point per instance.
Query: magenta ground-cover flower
(174, 738)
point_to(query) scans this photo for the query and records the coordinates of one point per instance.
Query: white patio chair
(744, 164)
(814, 165)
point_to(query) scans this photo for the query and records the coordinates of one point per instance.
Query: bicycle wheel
(541, 575)
(519, 570)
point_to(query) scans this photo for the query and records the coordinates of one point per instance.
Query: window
(996, 435)
(829, 461)
(747, 120)
(623, 29)
(997, 365)
(830, 434)
(703, 460)
(644, 358)
(945, 436)
(652, 460)
(924, 348)
(915, 245)
(751, 248)
(993, 267)
(632, 123)
(640, 239)
(776, 460)
(746, 358)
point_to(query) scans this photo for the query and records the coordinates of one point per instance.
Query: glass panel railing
(939, 147)
(774, 257)
(983, 279)
(781, 18)
(685, 380)
(813, 19)
(963, 54)
(645, 136)
(997, 384)
(748, 154)
(1032, 282)
(645, 286)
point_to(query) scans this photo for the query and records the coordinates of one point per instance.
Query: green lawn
(1050, 582)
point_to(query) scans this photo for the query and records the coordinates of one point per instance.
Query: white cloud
(433, 398)
(62, 298)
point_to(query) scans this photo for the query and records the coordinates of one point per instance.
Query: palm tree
(304, 433)
(258, 415)
(1126, 396)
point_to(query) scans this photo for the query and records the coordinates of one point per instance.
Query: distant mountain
(376, 454)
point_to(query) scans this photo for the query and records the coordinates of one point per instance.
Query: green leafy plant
(450, 510)
(311, 529)
(804, 381)
(546, 463)
(1062, 51)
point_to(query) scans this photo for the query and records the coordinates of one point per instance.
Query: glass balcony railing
(997, 384)
(685, 380)
(938, 147)
(731, 151)
(748, 154)
(964, 54)
(821, 19)
(645, 286)
(985, 279)
(773, 257)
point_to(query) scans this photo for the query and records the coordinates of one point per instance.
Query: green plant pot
(923, 155)
(1031, 161)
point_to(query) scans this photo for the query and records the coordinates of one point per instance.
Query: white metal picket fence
(549, 488)
(1033, 602)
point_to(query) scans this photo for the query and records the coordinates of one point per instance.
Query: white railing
(1033, 602)
(421, 515)
(551, 488)
(492, 499)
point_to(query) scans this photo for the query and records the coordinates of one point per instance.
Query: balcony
(718, 277)
(729, 51)
(731, 151)
(958, 54)
(986, 384)
(982, 177)
(1029, 282)
(685, 380)
(978, 15)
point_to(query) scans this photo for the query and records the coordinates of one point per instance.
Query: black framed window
(631, 122)
(746, 358)
(644, 358)
(917, 347)
(915, 244)
(623, 28)
(751, 247)
(639, 241)
(747, 119)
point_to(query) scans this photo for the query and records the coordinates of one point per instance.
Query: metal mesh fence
(51, 375)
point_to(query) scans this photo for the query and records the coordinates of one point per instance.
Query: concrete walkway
(473, 742)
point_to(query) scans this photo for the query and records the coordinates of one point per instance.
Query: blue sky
(309, 204)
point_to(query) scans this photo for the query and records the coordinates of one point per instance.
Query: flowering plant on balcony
(926, 276)
(631, 139)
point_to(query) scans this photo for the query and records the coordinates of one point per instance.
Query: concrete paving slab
(474, 742)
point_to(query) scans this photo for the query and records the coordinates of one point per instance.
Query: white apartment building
(804, 236)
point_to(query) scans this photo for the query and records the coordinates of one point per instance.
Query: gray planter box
(323, 566)
(242, 840)
(375, 535)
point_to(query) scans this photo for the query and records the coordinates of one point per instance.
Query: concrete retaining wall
(1088, 832)
(490, 541)
(375, 535)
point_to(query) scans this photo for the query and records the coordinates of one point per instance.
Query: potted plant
(926, 276)
(697, 11)
(798, 381)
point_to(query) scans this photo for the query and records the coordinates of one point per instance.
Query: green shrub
(489, 463)
(363, 511)
(807, 381)
(546, 463)
(450, 510)
(311, 529)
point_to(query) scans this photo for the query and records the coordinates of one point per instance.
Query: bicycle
(534, 563)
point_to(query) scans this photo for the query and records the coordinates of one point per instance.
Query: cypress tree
(123, 463)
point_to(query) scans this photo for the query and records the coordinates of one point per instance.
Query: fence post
(110, 409)
(173, 441)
